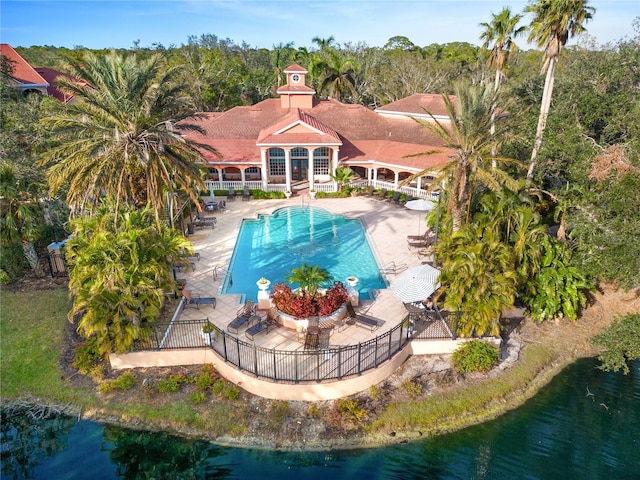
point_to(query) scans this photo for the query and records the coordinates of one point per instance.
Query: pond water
(272, 245)
(584, 425)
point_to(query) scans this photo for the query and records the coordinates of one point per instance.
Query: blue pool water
(272, 245)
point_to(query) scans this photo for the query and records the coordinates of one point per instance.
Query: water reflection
(585, 424)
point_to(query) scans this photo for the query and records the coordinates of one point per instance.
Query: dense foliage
(120, 266)
(587, 169)
(620, 343)
(475, 356)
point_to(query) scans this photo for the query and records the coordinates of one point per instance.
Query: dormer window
(295, 78)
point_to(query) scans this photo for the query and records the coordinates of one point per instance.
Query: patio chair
(424, 243)
(246, 313)
(324, 338)
(269, 323)
(361, 320)
(395, 198)
(195, 300)
(246, 194)
(382, 194)
(231, 195)
(311, 341)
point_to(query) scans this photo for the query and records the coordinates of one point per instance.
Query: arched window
(321, 158)
(276, 162)
(300, 152)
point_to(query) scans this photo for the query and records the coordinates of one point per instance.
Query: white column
(220, 187)
(243, 176)
(287, 168)
(395, 180)
(263, 169)
(310, 166)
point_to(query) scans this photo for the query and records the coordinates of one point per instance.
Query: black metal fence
(324, 364)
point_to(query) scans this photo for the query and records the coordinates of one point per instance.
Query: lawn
(31, 338)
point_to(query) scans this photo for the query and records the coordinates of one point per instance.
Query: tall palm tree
(281, 54)
(122, 138)
(554, 21)
(501, 31)
(21, 215)
(469, 135)
(335, 74)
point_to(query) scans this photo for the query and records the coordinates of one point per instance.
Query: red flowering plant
(301, 304)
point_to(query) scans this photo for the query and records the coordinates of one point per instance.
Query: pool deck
(387, 225)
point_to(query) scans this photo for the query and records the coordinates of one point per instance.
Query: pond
(585, 424)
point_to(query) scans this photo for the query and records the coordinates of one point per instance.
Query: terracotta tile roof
(23, 73)
(365, 135)
(417, 104)
(296, 89)
(315, 132)
(295, 68)
(51, 76)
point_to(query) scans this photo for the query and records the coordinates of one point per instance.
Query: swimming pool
(272, 245)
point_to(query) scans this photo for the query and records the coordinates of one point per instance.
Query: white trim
(318, 145)
(296, 123)
(296, 92)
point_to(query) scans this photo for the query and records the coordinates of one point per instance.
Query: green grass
(31, 335)
(471, 404)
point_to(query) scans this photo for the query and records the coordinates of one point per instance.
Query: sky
(267, 23)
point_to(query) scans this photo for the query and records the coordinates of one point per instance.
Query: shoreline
(545, 349)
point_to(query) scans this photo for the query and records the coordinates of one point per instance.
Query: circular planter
(289, 321)
(263, 285)
(352, 281)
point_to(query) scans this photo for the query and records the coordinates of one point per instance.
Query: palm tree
(501, 31)
(342, 176)
(119, 270)
(479, 277)
(122, 139)
(309, 277)
(21, 215)
(554, 21)
(335, 74)
(469, 135)
(281, 55)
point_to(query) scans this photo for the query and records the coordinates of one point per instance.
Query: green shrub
(88, 359)
(123, 382)
(5, 279)
(375, 392)
(475, 356)
(218, 386)
(206, 377)
(12, 260)
(412, 387)
(198, 397)
(313, 410)
(347, 413)
(173, 383)
(232, 392)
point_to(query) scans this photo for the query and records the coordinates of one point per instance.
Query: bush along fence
(323, 364)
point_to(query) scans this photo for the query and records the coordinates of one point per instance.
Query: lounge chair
(382, 194)
(395, 198)
(424, 243)
(369, 191)
(232, 194)
(361, 320)
(195, 300)
(246, 314)
(269, 323)
(246, 194)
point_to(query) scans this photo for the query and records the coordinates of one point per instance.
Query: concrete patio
(387, 225)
